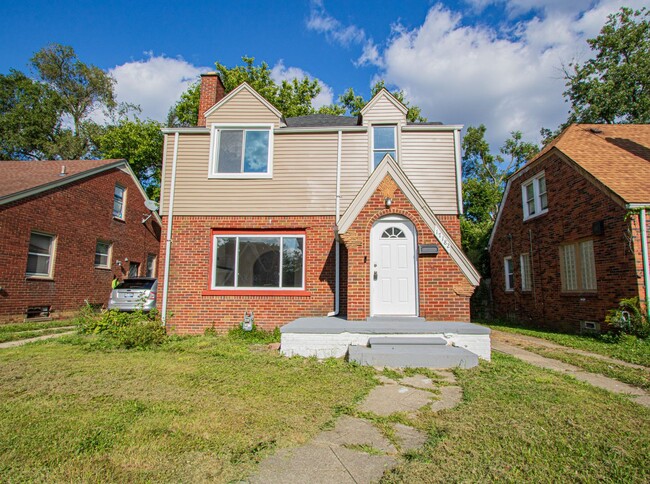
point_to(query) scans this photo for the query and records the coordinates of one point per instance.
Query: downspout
(337, 249)
(168, 241)
(646, 265)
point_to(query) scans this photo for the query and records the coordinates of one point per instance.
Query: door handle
(374, 276)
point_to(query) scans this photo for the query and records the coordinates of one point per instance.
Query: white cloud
(507, 77)
(280, 73)
(154, 83)
(322, 22)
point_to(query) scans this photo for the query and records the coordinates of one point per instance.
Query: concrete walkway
(639, 396)
(20, 342)
(355, 450)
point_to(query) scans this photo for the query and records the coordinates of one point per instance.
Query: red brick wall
(193, 312)
(575, 203)
(77, 214)
(444, 291)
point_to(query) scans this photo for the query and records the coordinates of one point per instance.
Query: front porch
(334, 337)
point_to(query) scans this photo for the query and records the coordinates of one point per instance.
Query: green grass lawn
(17, 331)
(519, 423)
(196, 409)
(627, 348)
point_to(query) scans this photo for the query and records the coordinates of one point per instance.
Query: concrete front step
(401, 356)
(406, 341)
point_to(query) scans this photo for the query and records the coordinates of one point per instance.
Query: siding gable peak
(244, 86)
(384, 95)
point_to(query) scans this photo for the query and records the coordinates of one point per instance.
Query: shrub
(629, 318)
(123, 330)
(255, 336)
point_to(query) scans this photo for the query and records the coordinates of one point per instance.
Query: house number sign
(444, 241)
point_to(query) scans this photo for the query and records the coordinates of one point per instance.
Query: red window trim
(279, 292)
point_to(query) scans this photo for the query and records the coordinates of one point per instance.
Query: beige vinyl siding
(354, 166)
(244, 107)
(383, 111)
(427, 158)
(303, 183)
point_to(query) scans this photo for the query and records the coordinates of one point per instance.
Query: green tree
(354, 103)
(141, 143)
(614, 85)
(185, 112)
(484, 177)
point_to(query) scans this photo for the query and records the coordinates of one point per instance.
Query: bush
(255, 336)
(629, 318)
(123, 330)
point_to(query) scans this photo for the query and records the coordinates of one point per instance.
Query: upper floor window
(241, 151)
(578, 266)
(533, 192)
(384, 142)
(119, 200)
(40, 255)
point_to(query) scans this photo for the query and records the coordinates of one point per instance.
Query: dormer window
(384, 142)
(534, 198)
(241, 151)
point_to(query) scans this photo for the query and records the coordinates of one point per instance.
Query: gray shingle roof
(321, 120)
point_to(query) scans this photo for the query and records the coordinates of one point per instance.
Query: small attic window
(241, 151)
(384, 142)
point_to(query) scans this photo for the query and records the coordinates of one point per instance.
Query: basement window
(37, 312)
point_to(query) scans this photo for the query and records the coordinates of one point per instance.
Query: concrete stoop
(403, 352)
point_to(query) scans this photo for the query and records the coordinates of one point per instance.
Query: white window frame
(214, 150)
(508, 261)
(235, 287)
(122, 216)
(371, 165)
(526, 272)
(52, 255)
(584, 270)
(537, 196)
(153, 268)
(109, 254)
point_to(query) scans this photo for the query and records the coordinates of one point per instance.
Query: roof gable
(388, 166)
(243, 87)
(384, 95)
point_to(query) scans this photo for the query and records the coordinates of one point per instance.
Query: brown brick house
(66, 229)
(567, 243)
(310, 216)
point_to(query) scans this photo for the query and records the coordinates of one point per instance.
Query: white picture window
(258, 261)
(119, 201)
(40, 255)
(526, 274)
(509, 272)
(103, 255)
(578, 267)
(384, 142)
(241, 151)
(534, 198)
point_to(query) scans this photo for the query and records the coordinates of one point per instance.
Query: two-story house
(570, 240)
(67, 229)
(310, 216)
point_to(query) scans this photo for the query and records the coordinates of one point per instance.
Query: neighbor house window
(384, 142)
(151, 265)
(241, 151)
(260, 261)
(103, 255)
(40, 255)
(134, 269)
(535, 200)
(578, 266)
(526, 274)
(509, 270)
(119, 199)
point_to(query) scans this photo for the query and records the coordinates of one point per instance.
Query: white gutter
(168, 242)
(337, 273)
(459, 171)
(646, 265)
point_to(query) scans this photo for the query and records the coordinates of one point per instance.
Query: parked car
(138, 293)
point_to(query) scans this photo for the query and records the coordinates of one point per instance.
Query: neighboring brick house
(567, 244)
(66, 229)
(253, 205)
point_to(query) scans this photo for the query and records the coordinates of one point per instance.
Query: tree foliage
(614, 85)
(354, 103)
(185, 112)
(484, 176)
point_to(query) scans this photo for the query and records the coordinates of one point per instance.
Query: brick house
(567, 244)
(310, 216)
(66, 229)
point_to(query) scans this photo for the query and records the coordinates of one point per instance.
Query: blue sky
(496, 62)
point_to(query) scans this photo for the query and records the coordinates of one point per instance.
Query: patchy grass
(18, 331)
(519, 423)
(627, 348)
(632, 376)
(6, 337)
(194, 409)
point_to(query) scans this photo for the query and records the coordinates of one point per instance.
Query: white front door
(392, 268)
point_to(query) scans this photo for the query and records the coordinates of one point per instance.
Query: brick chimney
(212, 91)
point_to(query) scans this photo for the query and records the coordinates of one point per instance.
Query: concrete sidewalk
(20, 342)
